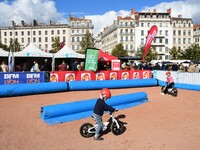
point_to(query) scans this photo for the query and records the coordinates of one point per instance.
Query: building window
(131, 38)
(126, 30)
(189, 40)
(34, 39)
(72, 31)
(166, 32)
(189, 32)
(166, 50)
(160, 24)
(77, 31)
(29, 40)
(10, 33)
(5, 33)
(64, 31)
(160, 40)
(5, 40)
(63, 39)
(46, 32)
(174, 32)
(46, 39)
(179, 32)
(39, 32)
(126, 24)
(16, 33)
(22, 33)
(166, 41)
(22, 40)
(77, 39)
(121, 31)
(184, 32)
(142, 24)
(52, 39)
(40, 40)
(126, 38)
(160, 49)
(121, 38)
(73, 47)
(58, 31)
(52, 32)
(179, 40)
(82, 31)
(142, 32)
(174, 40)
(78, 47)
(184, 40)
(40, 46)
(160, 32)
(28, 33)
(46, 46)
(72, 39)
(166, 57)
(142, 41)
(33, 32)
(131, 30)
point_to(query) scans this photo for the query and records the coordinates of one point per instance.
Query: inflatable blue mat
(111, 84)
(27, 89)
(59, 113)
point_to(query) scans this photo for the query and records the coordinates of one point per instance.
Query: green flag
(91, 60)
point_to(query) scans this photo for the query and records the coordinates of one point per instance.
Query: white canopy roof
(32, 51)
(3, 53)
(66, 52)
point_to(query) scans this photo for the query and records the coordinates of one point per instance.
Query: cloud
(41, 10)
(101, 21)
(186, 8)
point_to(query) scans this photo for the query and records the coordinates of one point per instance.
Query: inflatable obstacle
(59, 113)
(27, 89)
(111, 84)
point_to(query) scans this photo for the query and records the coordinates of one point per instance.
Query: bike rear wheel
(115, 130)
(84, 130)
(174, 92)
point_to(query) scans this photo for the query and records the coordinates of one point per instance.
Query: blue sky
(96, 7)
(101, 12)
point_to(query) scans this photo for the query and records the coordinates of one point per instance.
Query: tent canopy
(3, 53)
(32, 51)
(106, 56)
(67, 52)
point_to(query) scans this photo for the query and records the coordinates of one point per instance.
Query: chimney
(119, 17)
(35, 23)
(13, 23)
(132, 11)
(179, 16)
(154, 10)
(22, 23)
(169, 11)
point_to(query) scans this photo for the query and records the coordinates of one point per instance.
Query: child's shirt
(170, 79)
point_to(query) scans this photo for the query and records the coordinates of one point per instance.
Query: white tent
(66, 52)
(3, 53)
(32, 51)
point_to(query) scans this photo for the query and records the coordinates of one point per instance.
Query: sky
(101, 12)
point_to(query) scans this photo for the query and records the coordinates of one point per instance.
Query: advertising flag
(91, 59)
(150, 37)
(10, 63)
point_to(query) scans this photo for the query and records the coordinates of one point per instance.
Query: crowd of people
(102, 65)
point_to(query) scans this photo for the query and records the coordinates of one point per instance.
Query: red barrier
(60, 76)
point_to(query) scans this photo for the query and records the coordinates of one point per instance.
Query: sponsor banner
(70, 77)
(145, 74)
(115, 65)
(53, 77)
(91, 60)
(85, 76)
(113, 75)
(100, 76)
(124, 75)
(21, 78)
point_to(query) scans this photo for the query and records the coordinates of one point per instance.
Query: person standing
(4, 67)
(36, 67)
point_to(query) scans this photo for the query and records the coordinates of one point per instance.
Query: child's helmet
(106, 92)
(168, 73)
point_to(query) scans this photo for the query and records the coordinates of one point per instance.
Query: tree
(150, 55)
(4, 47)
(175, 53)
(119, 51)
(87, 42)
(56, 45)
(191, 53)
(14, 45)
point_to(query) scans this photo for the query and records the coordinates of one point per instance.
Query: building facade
(132, 31)
(197, 34)
(43, 35)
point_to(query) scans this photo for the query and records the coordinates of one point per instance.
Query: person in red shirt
(169, 81)
(63, 66)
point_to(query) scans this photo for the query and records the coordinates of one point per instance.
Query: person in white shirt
(4, 67)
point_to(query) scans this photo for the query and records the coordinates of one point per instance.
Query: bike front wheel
(115, 130)
(84, 130)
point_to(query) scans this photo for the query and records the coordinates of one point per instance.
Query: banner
(150, 37)
(10, 62)
(91, 59)
(115, 65)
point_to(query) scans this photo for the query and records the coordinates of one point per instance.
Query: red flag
(150, 37)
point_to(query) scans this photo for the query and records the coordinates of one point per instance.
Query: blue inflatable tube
(112, 84)
(66, 112)
(28, 89)
(182, 86)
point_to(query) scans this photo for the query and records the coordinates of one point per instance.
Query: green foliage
(175, 53)
(4, 47)
(87, 42)
(150, 55)
(14, 45)
(56, 46)
(119, 51)
(191, 53)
